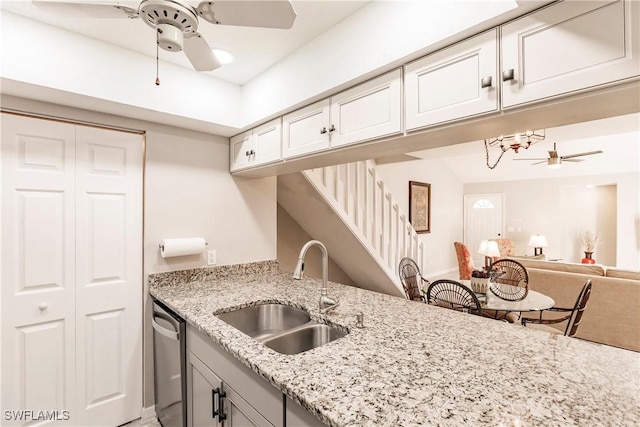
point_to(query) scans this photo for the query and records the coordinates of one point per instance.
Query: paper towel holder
(161, 246)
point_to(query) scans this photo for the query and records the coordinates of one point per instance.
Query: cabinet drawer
(568, 47)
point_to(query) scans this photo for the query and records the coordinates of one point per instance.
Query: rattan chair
(411, 279)
(573, 319)
(511, 273)
(453, 295)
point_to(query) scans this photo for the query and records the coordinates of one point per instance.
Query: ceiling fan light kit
(176, 22)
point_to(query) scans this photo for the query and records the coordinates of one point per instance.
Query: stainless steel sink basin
(303, 338)
(285, 329)
(264, 320)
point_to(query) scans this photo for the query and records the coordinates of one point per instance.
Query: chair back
(578, 310)
(505, 247)
(512, 274)
(465, 262)
(411, 279)
(453, 295)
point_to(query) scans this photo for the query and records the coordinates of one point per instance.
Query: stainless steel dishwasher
(169, 355)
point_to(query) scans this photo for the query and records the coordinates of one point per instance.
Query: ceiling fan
(176, 21)
(554, 161)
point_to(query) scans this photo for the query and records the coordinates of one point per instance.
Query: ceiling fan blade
(266, 13)
(539, 163)
(573, 160)
(199, 53)
(588, 153)
(89, 10)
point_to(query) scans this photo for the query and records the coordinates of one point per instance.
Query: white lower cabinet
(567, 47)
(222, 391)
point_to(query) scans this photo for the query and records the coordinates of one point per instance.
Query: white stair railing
(359, 196)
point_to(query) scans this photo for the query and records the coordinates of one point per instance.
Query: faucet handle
(359, 319)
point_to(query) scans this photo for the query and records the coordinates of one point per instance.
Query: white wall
(446, 208)
(189, 192)
(562, 208)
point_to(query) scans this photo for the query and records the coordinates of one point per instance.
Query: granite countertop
(412, 364)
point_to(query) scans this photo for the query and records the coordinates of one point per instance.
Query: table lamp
(488, 248)
(538, 241)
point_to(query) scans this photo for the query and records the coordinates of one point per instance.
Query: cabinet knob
(43, 306)
(508, 75)
(323, 130)
(332, 128)
(486, 82)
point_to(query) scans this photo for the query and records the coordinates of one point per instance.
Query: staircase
(349, 209)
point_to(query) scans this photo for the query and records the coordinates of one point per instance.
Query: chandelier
(512, 142)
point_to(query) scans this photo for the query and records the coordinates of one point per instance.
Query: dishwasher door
(169, 355)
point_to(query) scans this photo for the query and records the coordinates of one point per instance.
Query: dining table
(533, 301)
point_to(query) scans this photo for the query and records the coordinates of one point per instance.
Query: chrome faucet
(326, 303)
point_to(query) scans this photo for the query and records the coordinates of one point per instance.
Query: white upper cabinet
(306, 130)
(257, 146)
(568, 47)
(370, 110)
(453, 83)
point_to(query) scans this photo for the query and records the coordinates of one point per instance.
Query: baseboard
(148, 416)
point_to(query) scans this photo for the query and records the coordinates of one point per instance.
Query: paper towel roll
(181, 247)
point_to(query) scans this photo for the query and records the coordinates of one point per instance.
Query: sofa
(612, 315)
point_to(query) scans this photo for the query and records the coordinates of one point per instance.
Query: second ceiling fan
(554, 161)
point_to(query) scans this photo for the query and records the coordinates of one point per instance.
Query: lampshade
(538, 241)
(489, 248)
(483, 247)
(492, 249)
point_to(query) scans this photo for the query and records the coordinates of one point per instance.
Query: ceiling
(618, 138)
(255, 49)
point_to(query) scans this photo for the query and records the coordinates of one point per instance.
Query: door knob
(43, 306)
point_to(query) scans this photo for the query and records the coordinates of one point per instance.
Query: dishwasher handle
(172, 335)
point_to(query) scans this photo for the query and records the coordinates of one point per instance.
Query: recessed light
(224, 56)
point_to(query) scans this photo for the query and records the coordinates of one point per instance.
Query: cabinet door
(370, 110)
(567, 47)
(240, 150)
(454, 83)
(306, 130)
(267, 141)
(200, 400)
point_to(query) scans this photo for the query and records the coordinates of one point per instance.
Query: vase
(588, 259)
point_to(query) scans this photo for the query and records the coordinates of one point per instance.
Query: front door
(483, 220)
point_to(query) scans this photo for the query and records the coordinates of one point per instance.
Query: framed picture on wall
(420, 206)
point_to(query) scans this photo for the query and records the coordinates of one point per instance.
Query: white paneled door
(483, 219)
(71, 273)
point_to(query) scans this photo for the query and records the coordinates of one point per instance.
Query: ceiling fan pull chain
(157, 60)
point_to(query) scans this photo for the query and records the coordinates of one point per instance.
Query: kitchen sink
(282, 328)
(265, 320)
(304, 338)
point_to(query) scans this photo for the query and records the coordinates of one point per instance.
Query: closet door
(108, 275)
(38, 265)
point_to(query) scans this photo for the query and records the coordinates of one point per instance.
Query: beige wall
(291, 238)
(562, 208)
(446, 208)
